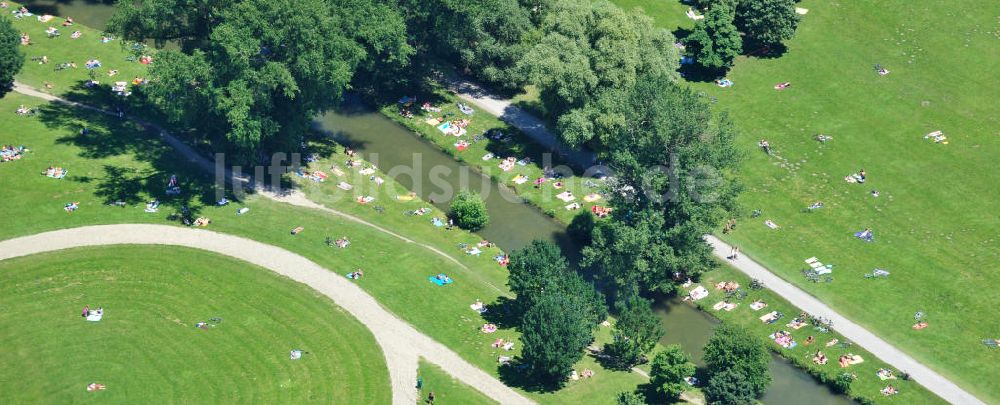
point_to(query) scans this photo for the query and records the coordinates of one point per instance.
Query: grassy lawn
(147, 347)
(518, 146)
(866, 385)
(934, 221)
(64, 49)
(115, 162)
(446, 389)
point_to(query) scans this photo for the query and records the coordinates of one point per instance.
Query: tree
(729, 387)
(715, 40)
(534, 270)
(11, 58)
(484, 39)
(248, 82)
(469, 211)
(591, 52)
(635, 333)
(554, 333)
(734, 350)
(766, 23)
(669, 369)
(631, 398)
(539, 269)
(674, 169)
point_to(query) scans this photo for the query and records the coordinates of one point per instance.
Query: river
(512, 224)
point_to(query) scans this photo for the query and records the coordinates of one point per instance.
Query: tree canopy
(554, 332)
(11, 58)
(715, 41)
(254, 73)
(739, 359)
(729, 387)
(484, 39)
(469, 211)
(590, 53)
(667, 372)
(540, 269)
(766, 23)
(674, 181)
(635, 333)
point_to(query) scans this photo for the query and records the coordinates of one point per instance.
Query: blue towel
(438, 222)
(439, 282)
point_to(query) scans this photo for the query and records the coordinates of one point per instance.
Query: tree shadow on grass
(502, 313)
(518, 375)
(109, 137)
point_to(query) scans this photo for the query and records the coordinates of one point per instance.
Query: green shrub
(469, 211)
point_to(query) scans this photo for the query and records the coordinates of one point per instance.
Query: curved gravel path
(933, 381)
(401, 344)
(292, 197)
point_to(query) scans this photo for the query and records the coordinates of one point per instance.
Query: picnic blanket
(566, 196)
(441, 279)
(520, 179)
(592, 197)
(698, 293)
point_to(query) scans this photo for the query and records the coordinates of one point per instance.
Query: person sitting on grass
(73, 206)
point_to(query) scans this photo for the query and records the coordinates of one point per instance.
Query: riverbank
(488, 141)
(863, 392)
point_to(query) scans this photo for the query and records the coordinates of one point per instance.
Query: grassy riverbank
(866, 385)
(152, 298)
(520, 177)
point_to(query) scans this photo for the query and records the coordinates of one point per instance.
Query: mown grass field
(934, 221)
(446, 389)
(147, 347)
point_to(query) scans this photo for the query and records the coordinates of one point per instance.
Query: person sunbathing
(819, 358)
(765, 146)
(76, 35)
(816, 205)
(889, 390)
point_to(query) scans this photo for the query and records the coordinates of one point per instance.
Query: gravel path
(401, 344)
(933, 381)
(517, 118)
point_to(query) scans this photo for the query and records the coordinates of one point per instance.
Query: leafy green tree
(554, 333)
(484, 39)
(11, 58)
(631, 398)
(636, 332)
(669, 369)
(588, 55)
(675, 181)
(539, 269)
(251, 75)
(734, 352)
(469, 211)
(766, 23)
(715, 40)
(730, 387)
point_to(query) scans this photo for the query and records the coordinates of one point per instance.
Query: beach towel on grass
(439, 282)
